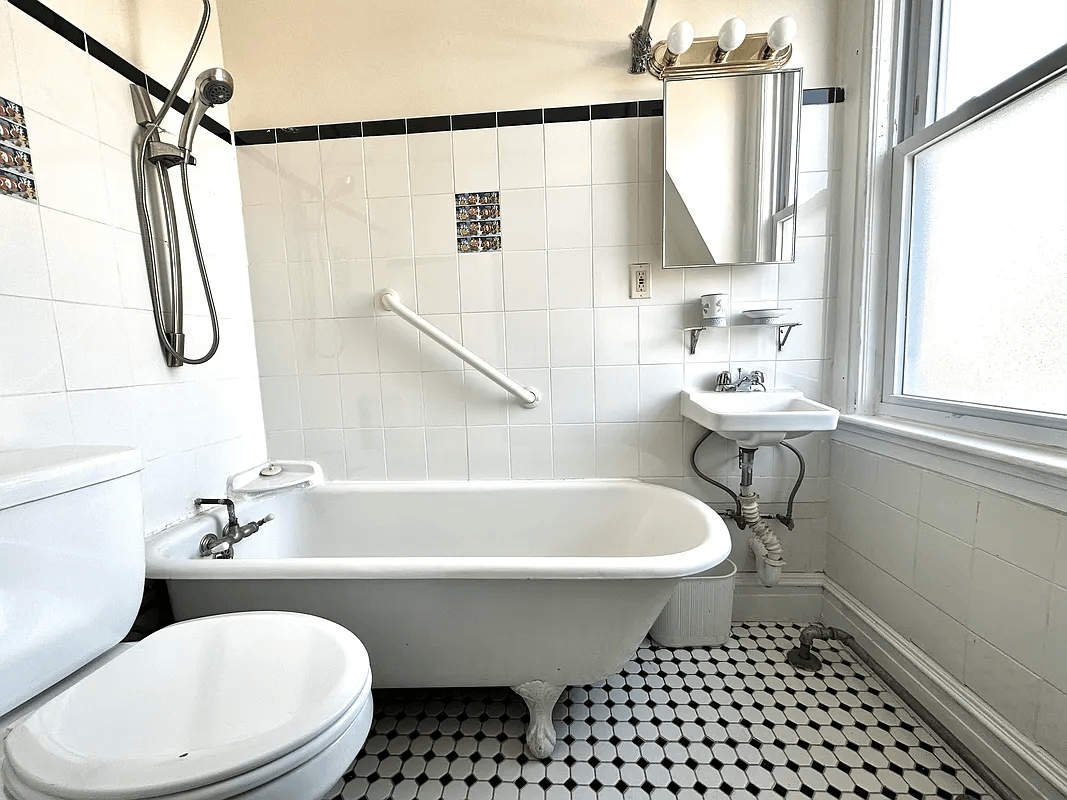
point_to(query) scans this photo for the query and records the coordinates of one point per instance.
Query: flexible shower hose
(145, 222)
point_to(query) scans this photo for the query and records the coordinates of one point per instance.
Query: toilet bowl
(257, 706)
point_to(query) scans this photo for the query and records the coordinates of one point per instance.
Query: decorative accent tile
(16, 167)
(478, 222)
(685, 723)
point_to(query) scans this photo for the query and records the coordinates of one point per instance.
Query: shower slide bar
(389, 299)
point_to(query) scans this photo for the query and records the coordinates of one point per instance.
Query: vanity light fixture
(682, 55)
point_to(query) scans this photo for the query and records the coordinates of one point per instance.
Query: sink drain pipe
(803, 658)
(764, 542)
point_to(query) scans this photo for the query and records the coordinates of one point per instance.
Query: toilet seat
(203, 709)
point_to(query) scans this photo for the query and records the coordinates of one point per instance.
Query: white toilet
(256, 706)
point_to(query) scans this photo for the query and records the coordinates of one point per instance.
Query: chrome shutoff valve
(213, 546)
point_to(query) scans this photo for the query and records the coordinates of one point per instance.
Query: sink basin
(753, 419)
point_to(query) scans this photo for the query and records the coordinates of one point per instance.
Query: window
(979, 238)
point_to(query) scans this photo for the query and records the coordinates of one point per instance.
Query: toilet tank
(71, 561)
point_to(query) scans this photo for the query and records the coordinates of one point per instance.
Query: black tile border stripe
(302, 133)
(80, 39)
(503, 119)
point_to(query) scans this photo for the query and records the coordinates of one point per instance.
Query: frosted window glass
(986, 316)
(974, 60)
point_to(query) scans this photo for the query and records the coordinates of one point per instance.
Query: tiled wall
(331, 222)
(975, 578)
(80, 363)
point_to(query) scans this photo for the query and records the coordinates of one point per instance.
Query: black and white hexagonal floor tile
(734, 721)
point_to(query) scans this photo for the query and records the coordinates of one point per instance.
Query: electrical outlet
(640, 282)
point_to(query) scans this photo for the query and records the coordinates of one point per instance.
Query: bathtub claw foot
(540, 698)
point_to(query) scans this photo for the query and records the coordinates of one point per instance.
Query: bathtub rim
(712, 550)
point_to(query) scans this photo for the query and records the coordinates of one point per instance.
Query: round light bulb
(680, 37)
(731, 34)
(781, 33)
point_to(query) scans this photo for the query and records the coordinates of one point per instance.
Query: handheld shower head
(214, 87)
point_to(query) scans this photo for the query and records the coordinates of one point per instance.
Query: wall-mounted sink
(753, 419)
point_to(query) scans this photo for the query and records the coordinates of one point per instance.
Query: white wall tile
(1020, 533)
(81, 259)
(474, 155)
(661, 334)
(35, 420)
(22, 244)
(433, 356)
(93, 342)
(614, 150)
(615, 214)
(269, 284)
(390, 227)
(481, 282)
(1002, 682)
(397, 274)
(570, 278)
(385, 161)
(1052, 721)
(1008, 608)
(264, 233)
(434, 222)
(813, 203)
(446, 454)
(489, 452)
(352, 287)
(527, 339)
(358, 345)
(320, 401)
(327, 447)
(365, 455)
(258, 169)
(525, 280)
(650, 143)
(300, 172)
(806, 278)
(305, 232)
(616, 339)
(569, 215)
(531, 451)
(402, 400)
(27, 326)
(318, 343)
(68, 169)
(348, 228)
(430, 163)
(405, 454)
(572, 395)
(571, 337)
(617, 449)
(361, 400)
(281, 403)
(574, 451)
(661, 389)
(897, 485)
(275, 348)
(398, 345)
(942, 569)
(444, 400)
(618, 393)
(522, 156)
(310, 289)
(948, 505)
(568, 159)
(1053, 665)
(342, 169)
(661, 449)
(522, 214)
(437, 284)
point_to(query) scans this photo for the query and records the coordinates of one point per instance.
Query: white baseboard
(797, 598)
(1010, 754)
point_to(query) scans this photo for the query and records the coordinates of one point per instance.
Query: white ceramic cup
(713, 308)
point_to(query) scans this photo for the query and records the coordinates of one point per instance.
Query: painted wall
(80, 363)
(330, 223)
(339, 61)
(976, 578)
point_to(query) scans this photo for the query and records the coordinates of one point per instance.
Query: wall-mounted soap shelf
(784, 329)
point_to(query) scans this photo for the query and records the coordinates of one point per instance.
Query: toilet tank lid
(29, 475)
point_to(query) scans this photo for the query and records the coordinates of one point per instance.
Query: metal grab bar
(389, 299)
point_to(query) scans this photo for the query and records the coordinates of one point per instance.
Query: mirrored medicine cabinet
(730, 147)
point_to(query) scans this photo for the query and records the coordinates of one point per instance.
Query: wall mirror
(730, 168)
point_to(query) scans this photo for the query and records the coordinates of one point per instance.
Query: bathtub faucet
(212, 546)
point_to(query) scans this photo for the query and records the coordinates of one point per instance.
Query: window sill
(1030, 472)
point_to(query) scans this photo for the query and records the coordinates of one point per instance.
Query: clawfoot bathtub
(533, 585)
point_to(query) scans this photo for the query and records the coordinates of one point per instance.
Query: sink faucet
(752, 382)
(212, 546)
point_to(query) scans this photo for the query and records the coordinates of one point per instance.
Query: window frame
(922, 74)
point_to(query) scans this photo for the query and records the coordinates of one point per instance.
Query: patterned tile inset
(735, 721)
(478, 222)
